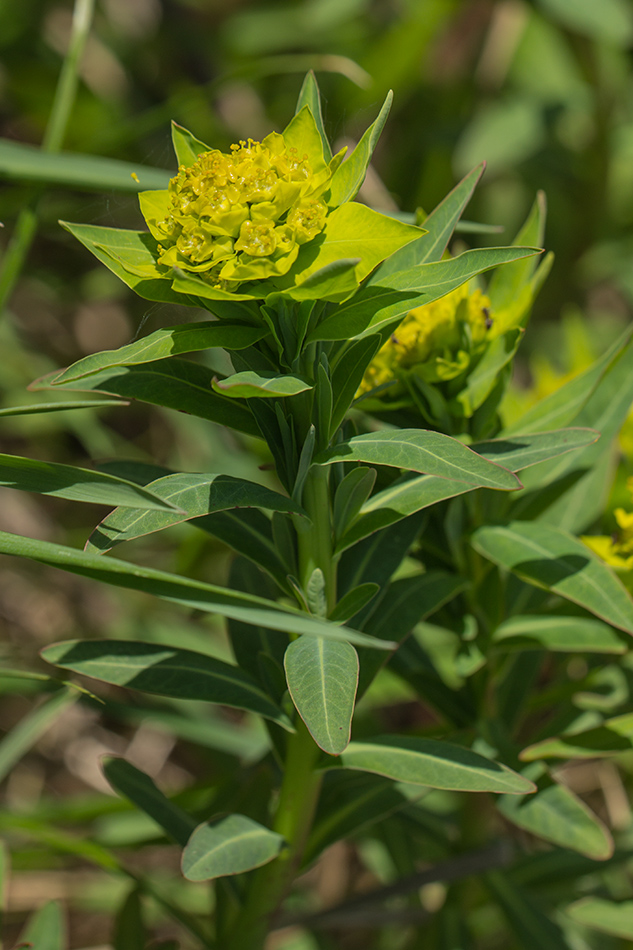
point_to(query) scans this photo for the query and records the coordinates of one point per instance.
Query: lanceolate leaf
(613, 736)
(20, 162)
(309, 96)
(322, 679)
(173, 383)
(421, 450)
(77, 484)
(521, 451)
(46, 929)
(379, 305)
(31, 727)
(165, 671)
(555, 814)
(610, 917)
(532, 928)
(250, 385)
(434, 764)
(228, 846)
(170, 341)
(550, 558)
(559, 634)
(186, 146)
(439, 226)
(36, 408)
(140, 789)
(350, 175)
(182, 590)
(195, 495)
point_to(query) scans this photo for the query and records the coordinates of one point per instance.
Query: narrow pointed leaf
(421, 450)
(16, 743)
(556, 815)
(439, 225)
(309, 96)
(612, 737)
(141, 790)
(76, 484)
(165, 671)
(507, 283)
(559, 634)
(322, 680)
(550, 558)
(522, 451)
(434, 764)
(531, 927)
(169, 341)
(251, 385)
(335, 281)
(195, 496)
(20, 162)
(36, 408)
(129, 930)
(230, 845)
(186, 146)
(609, 917)
(354, 601)
(173, 383)
(378, 305)
(351, 174)
(193, 594)
(46, 929)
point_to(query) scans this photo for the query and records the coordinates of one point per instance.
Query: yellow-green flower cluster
(616, 550)
(241, 216)
(436, 342)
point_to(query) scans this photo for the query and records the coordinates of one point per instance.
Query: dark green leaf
(531, 927)
(37, 407)
(129, 930)
(353, 601)
(613, 736)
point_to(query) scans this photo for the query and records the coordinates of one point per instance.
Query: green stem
(63, 102)
(315, 539)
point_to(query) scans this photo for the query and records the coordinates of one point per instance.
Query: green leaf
(531, 927)
(322, 679)
(605, 916)
(129, 930)
(506, 284)
(559, 634)
(382, 302)
(439, 226)
(20, 739)
(485, 376)
(334, 282)
(165, 671)
(138, 246)
(433, 764)
(522, 451)
(610, 22)
(173, 383)
(613, 736)
(350, 801)
(189, 593)
(348, 374)
(250, 385)
(20, 162)
(353, 601)
(556, 815)
(46, 929)
(141, 790)
(38, 407)
(229, 846)
(303, 134)
(309, 96)
(563, 405)
(249, 532)
(350, 496)
(195, 496)
(404, 498)
(186, 146)
(169, 341)
(550, 558)
(351, 231)
(351, 174)
(76, 484)
(421, 450)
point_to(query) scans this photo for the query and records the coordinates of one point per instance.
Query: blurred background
(542, 91)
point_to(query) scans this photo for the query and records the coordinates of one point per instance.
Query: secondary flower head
(436, 342)
(242, 215)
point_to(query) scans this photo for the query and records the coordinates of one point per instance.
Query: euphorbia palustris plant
(306, 285)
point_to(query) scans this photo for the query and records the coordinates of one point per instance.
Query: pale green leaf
(38, 407)
(229, 846)
(522, 451)
(186, 146)
(20, 739)
(421, 450)
(251, 385)
(609, 917)
(189, 593)
(550, 558)
(612, 737)
(309, 96)
(322, 679)
(559, 634)
(46, 928)
(351, 174)
(434, 764)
